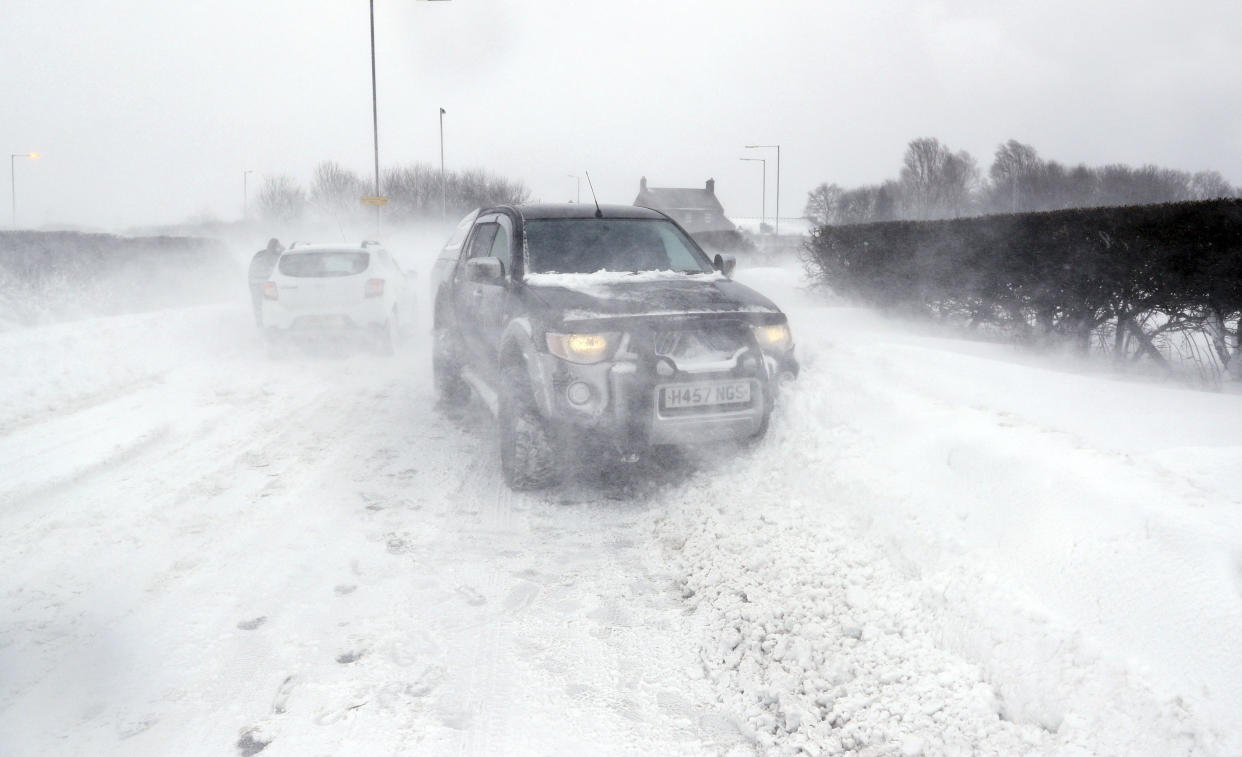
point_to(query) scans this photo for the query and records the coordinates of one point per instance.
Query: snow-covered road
(941, 548)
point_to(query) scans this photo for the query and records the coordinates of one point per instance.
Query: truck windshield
(586, 245)
(320, 264)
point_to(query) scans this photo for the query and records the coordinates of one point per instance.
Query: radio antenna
(598, 213)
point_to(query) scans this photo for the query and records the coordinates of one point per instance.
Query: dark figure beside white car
(608, 328)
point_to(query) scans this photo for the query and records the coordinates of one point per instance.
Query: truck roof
(583, 210)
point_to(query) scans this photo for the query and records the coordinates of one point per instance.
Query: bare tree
(1210, 185)
(936, 182)
(1014, 172)
(959, 176)
(920, 173)
(281, 198)
(336, 190)
(823, 204)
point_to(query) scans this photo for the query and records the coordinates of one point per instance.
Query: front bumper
(624, 406)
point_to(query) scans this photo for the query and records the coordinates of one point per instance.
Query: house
(695, 209)
(698, 211)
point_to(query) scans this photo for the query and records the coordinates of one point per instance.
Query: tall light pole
(778, 180)
(375, 112)
(13, 177)
(578, 179)
(763, 213)
(374, 116)
(246, 194)
(443, 191)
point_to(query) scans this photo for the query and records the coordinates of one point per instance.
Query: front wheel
(528, 458)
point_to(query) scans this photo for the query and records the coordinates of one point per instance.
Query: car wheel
(754, 439)
(528, 458)
(450, 388)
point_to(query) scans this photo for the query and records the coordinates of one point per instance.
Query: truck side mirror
(725, 264)
(485, 270)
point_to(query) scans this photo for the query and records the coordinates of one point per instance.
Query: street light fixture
(13, 178)
(763, 214)
(246, 195)
(577, 179)
(778, 180)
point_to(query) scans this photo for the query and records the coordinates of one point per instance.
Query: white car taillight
(374, 288)
(270, 291)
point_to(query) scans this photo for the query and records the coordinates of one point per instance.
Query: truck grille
(714, 340)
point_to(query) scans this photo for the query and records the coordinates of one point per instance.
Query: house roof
(679, 198)
(694, 208)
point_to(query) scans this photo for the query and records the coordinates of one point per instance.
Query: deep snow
(941, 548)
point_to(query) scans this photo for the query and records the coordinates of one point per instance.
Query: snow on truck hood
(616, 293)
(603, 280)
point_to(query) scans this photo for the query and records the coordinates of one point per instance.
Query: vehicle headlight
(581, 348)
(775, 337)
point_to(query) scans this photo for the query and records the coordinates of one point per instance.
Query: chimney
(711, 187)
(642, 185)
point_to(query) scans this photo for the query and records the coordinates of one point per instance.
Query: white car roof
(334, 247)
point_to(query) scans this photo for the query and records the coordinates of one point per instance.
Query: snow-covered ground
(942, 547)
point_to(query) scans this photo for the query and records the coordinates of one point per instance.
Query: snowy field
(941, 548)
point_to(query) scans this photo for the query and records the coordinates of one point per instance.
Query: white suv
(334, 290)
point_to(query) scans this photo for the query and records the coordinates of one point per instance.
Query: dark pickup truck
(600, 328)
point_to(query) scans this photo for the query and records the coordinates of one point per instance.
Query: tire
(451, 390)
(754, 439)
(528, 455)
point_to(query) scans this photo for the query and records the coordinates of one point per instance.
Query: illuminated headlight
(581, 348)
(774, 338)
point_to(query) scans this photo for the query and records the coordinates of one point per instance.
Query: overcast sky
(149, 111)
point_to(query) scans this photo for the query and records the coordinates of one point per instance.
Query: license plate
(698, 395)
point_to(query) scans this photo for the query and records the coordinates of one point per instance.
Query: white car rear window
(320, 264)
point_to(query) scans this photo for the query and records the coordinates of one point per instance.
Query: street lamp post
(577, 179)
(443, 190)
(778, 180)
(246, 194)
(13, 178)
(374, 116)
(763, 213)
(375, 113)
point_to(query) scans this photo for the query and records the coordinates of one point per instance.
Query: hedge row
(54, 275)
(1137, 270)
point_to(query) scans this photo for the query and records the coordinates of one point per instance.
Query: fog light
(665, 367)
(748, 363)
(578, 393)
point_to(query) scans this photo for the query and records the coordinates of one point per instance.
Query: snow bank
(938, 552)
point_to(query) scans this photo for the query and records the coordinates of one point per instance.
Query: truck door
(494, 300)
(468, 295)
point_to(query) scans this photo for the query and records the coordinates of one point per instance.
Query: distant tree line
(413, 192)
(1122, 279)
(936, 182)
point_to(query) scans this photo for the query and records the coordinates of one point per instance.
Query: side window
(452, 248)
(500, 248)
(481, 241)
